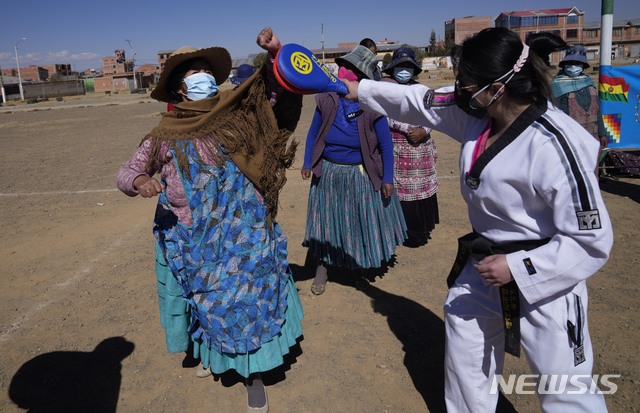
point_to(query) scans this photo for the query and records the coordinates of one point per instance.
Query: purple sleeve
(386, 148)
(133, 168)
(312, 135)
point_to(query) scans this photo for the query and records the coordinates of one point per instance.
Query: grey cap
(361, 58)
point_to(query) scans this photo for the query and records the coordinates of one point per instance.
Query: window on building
(548, 20)
(514, 21)
(527, 21)
(591, 34)
(572, 19)
(637, 30)
(617, 31)
(572, 33)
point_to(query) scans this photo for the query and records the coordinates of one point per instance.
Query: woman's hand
(306, 174)
(146, 186)
(494, 270)
(604, 141)
(387, 190)
(416, 135)
(268, 41)
(353, 90)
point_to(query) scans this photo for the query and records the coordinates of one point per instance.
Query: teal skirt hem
(270, 355)
(174, 309)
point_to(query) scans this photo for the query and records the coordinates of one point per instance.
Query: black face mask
(462, 99)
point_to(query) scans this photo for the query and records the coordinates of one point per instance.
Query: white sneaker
(202, 372)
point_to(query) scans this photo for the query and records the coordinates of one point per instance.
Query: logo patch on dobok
(529, 266)
(588, 219)
(433, 99)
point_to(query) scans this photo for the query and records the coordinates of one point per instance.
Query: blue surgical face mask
(573, 70)
(200, 86)
(402, 74)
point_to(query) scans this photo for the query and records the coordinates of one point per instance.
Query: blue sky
(81, 32)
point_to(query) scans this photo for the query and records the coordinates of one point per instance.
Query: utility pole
(606, 32)
(18, 64)
(133, 62)
(4, 96)
(322, 32)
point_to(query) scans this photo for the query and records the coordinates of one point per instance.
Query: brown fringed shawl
(242, 122)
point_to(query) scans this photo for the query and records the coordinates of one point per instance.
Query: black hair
(174, 83)
(545, 43)
(368, 43)
(491, 53)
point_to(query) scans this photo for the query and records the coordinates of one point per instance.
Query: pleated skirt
(421, 217)
(349, 224)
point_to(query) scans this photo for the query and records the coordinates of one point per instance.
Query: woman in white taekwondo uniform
(540, 226)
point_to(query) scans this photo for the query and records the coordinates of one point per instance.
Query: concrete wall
(50, 89)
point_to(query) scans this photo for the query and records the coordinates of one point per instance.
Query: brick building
(625, 38)
(460, 28)
(58, 69)
(117, 74)
(163, 55)
(147, 70)
(566, 22)
(34, 73)
(116, 64)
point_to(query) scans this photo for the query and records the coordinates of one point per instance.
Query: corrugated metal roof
(616, 23)
(546, 12)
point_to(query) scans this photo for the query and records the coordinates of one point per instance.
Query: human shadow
(336, 274)
(422, 334)
(72, 381)
(621, 188)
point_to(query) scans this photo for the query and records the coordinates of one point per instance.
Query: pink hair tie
(522, 59)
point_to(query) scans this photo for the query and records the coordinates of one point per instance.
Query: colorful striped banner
(613, 89)
(619, 93)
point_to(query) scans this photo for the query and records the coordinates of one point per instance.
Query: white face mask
(200, 86)
(573, 70)
(402, 74)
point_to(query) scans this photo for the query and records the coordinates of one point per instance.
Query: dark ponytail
(544, 44)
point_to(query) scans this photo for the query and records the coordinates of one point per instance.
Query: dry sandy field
(79, 326)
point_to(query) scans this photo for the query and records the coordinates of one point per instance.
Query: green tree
(259, 60)
(386, 59)
(432, 43)
(448, 43)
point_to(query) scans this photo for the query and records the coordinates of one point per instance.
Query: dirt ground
(79, 327)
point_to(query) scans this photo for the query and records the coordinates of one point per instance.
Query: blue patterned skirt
(349, 224)
(231, 267)
(175, 317)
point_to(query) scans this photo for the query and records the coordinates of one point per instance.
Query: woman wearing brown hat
(354, 219)
(223, 276)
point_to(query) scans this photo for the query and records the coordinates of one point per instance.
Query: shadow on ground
(421, 333)
(625, 188)
(72, 381)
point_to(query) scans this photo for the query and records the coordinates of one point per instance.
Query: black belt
(477, 246)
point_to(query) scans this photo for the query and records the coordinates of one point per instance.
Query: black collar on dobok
(522, 122)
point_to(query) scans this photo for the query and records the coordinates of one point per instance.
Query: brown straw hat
(218, 57)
